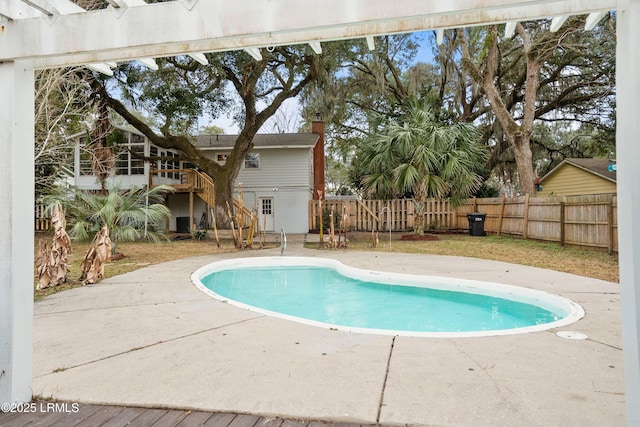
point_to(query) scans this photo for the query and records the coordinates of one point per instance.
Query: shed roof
(269, 140)
(597, 167)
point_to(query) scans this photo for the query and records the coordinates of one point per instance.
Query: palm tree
(130, 215)
(422, 155)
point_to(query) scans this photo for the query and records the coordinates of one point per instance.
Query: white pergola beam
(199, 57)
(510, 29)
(557, 22)
(593, 19)
(150, 63)
(101, 68)
(316, 46)
(44, 6)
(171, 29)
(254, 52)
(439, 36)
(16, 10)
(371, 43)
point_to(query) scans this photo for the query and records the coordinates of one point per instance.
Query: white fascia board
(168, 28)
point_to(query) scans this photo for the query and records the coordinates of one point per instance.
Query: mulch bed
(416, 237)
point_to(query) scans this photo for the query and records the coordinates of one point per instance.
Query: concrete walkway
(151, 338)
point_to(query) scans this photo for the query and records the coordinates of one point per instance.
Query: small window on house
(252, 161)
(122, 163)
(137, 159)
(222, 157)
(267, 207)
(162, 164)
(86, 158)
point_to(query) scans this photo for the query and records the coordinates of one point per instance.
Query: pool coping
(574, 311)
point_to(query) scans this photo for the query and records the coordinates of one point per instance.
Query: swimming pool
(327, 293)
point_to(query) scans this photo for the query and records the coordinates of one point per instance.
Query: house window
(252, 161)
(222, 158)
(130, 160)
(137, 162)
(267, 207)
(86, 158)
(161, 164)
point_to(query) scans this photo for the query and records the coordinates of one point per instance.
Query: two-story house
(279, 176)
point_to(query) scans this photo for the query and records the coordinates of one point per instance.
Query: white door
(267, 221)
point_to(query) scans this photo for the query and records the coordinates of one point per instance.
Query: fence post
(501, 214)
(562, 223)
(525, 231)
(610, 226)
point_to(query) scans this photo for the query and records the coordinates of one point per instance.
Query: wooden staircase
(193, 181)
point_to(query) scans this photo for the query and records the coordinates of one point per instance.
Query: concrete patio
(150, 338)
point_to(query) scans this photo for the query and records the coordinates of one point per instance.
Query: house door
(267, 221)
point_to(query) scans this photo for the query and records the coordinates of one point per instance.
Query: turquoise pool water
(324, 295)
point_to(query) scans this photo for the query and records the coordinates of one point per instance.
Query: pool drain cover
(571, 335)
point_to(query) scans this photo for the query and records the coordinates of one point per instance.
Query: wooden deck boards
(117, 416)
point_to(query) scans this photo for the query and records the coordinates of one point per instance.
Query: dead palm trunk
(97, 255)
(52, 263)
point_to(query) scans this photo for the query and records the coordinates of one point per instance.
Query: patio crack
(384, 383)
(142, 347)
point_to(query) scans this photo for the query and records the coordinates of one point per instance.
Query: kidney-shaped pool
(324, 292)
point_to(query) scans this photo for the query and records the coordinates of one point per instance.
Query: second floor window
(252, 161)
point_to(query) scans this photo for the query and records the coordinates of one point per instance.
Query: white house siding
(279, 167)
(285, 174)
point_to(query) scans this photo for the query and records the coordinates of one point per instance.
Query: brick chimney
(317, 127)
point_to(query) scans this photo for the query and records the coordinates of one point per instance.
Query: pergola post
(16, 218)
(628, 171)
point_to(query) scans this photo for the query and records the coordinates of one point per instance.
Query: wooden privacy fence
(397, 215)
(42, 221)
(581, 221)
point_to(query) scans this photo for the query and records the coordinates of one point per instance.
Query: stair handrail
(283, 241)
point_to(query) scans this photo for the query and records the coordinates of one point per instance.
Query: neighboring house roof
(597, 167)
(271, 140)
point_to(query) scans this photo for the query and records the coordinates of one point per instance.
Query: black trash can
(476, 224)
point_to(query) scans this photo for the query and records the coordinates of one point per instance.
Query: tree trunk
(224, 195)
(517, 134)
(524, 163)
(418, 219)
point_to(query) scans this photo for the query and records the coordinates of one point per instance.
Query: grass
(587, 263)
(135, 255)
